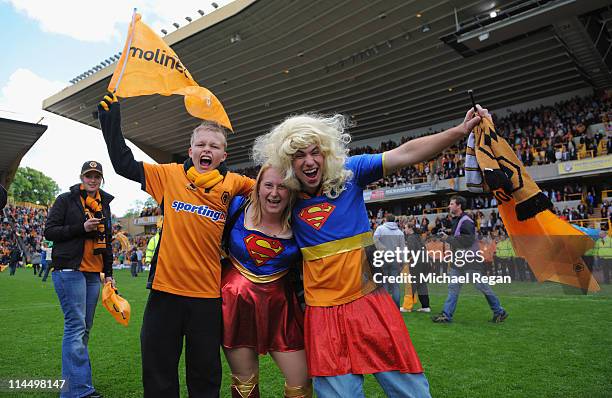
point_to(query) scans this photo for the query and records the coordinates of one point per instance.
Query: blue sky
(45, 45)
(51, 55)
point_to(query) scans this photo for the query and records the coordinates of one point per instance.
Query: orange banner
(149, 66)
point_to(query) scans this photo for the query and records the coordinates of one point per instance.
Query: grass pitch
(554, 344)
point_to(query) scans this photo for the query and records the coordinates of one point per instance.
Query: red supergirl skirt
(365, 336)
(262, 316)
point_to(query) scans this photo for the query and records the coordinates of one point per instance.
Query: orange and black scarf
(491, 165)
(93, 209)
(203, 180)
(552, 247)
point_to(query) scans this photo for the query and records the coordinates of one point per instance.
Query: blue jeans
(78, 295)
(395, 384)
(393, 288)
(455, 288)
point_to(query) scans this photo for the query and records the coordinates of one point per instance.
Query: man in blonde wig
(352, 327)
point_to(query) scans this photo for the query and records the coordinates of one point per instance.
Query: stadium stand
(23, 225)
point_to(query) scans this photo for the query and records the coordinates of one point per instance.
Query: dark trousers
(13, 267)
(419, 287)
(134, 268)
(46, 273)
(424, 299)
(606, 268)
(521, 269)
(168, 319)
(507, 267)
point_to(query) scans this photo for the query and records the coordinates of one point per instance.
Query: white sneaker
(402, 309)
(426, 309)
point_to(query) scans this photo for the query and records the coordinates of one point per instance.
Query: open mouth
(274, 201)
(205, 161)
(311, 174)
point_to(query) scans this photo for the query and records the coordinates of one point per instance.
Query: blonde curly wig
(299, 132)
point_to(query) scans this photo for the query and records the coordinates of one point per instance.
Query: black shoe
(440, 318)
(94, 394)
(499, 318)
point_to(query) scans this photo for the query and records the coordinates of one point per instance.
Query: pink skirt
(263, 316)
(365, 336)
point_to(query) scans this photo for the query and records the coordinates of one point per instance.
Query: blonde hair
(210, 125)
(299, 132)
(257, 207)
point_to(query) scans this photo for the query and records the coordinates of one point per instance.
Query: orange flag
(552, 247)
(149, 66)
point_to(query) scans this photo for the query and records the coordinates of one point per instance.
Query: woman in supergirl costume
(261, 313)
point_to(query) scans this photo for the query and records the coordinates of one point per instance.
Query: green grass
(553, 344)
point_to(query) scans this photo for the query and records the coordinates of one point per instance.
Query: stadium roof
(17, 138)
(391, 65)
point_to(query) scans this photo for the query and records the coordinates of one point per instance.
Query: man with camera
(463, 238)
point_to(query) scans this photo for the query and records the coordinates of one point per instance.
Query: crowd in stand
(543, 135)
(150, 211)
(7, 240)
(27, 223)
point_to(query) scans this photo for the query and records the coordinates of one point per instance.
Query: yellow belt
(337, 246)
(257, 278)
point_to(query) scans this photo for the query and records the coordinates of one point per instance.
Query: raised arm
(425, 148)
(122, 158)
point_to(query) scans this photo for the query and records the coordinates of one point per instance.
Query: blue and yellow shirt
(259, 257)
(335, 238)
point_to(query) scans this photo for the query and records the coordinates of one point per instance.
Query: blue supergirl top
(335, 238)
(259, 257)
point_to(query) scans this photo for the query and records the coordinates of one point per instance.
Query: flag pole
(471, 93)
(129, 44)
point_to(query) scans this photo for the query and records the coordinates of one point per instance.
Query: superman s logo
(317, 215)
(262, 249)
